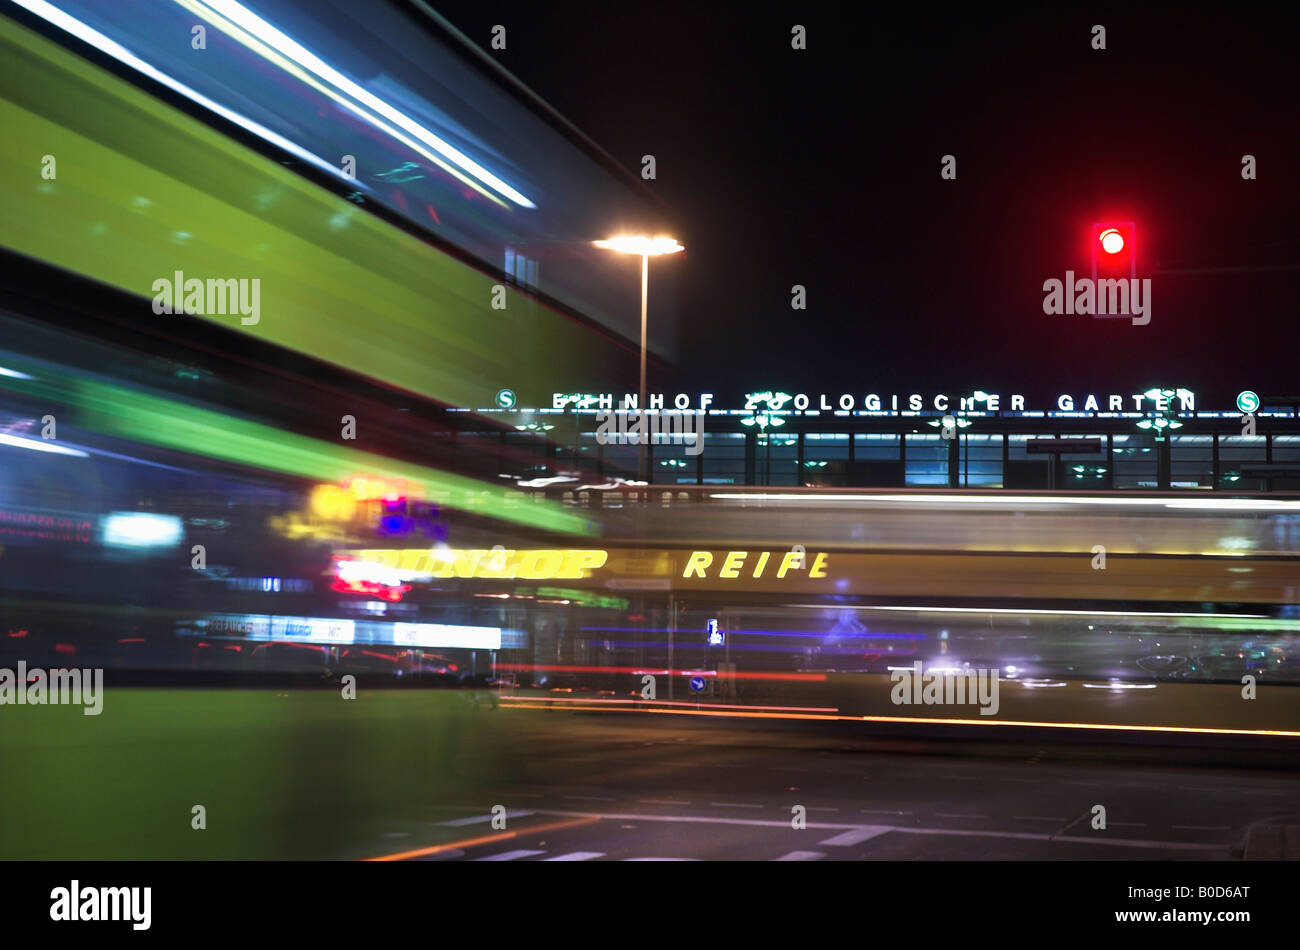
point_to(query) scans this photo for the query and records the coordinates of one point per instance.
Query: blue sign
(698, 683)
(716, 636)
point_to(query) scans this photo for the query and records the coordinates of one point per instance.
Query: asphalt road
(577, 787)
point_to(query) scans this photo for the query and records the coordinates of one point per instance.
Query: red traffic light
(1113, 249)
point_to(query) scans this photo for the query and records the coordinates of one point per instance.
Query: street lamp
(1165, 420)
(763, 420)
(647, 247)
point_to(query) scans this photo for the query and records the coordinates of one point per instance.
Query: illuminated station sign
(884, 403)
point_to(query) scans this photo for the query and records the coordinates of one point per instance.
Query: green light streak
(154, 420)
(143, 190)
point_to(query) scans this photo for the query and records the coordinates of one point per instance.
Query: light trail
(646, 704)
(642, 670)
(922, 720)
(485, 839)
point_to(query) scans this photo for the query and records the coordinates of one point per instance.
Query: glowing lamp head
(642, 245)
(1112, 242)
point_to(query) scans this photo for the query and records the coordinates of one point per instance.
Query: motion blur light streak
(664, 702)
(81, 31)
(705, 710)
(1100, 726)
(1059, 613)
(397, 487)
(320, 286)
(485, 839)
(269, 53)
(760, 633)
(147, 418)
(280, 41)
(524, 703)
(979, 501)
(140, 529)
(39, 445)
(546, 668)
(392, 593)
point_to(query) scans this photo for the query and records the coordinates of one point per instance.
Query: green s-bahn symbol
(1247, 401)
(506, 399)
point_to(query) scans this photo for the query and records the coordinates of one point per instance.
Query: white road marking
(577, 856)
(661, 801)
(478, 819)
(856, 836)
(510, 855)
(1134, 843)
(881, 811)
(902, 829)
(801, 856)
(948, 814)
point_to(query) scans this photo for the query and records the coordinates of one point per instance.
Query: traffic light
(1114, 250)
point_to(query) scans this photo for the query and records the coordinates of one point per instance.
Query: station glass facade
(1193, 449)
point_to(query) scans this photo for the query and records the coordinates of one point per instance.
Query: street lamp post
(646, 247)
(1165, 419)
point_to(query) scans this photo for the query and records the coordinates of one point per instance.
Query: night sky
(821, 167)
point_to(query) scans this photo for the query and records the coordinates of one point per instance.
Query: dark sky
(821, 167)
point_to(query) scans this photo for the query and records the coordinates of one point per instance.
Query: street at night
(436, 432)
(692, 791)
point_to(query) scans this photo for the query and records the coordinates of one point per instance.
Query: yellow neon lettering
(698, 562)
(577, 563)
(731, 566)
(467, 562)
(540, 565)
(381, 556)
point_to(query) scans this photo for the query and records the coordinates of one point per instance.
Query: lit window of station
(1158, 437)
